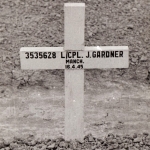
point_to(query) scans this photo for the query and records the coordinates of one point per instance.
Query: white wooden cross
(74, 58)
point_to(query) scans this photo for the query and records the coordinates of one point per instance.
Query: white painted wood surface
(89, 63)
(74, 26)
(74, 104)
(74, 79)
(43, 63)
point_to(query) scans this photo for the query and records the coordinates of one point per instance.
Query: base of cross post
(74, 104)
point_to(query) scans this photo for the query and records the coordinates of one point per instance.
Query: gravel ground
(111, 142)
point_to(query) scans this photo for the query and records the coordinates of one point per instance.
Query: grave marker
(74, 58)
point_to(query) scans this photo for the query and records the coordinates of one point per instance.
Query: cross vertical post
(74, 79)
(74, 58)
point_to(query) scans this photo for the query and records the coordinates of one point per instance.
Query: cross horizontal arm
(89, 58)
